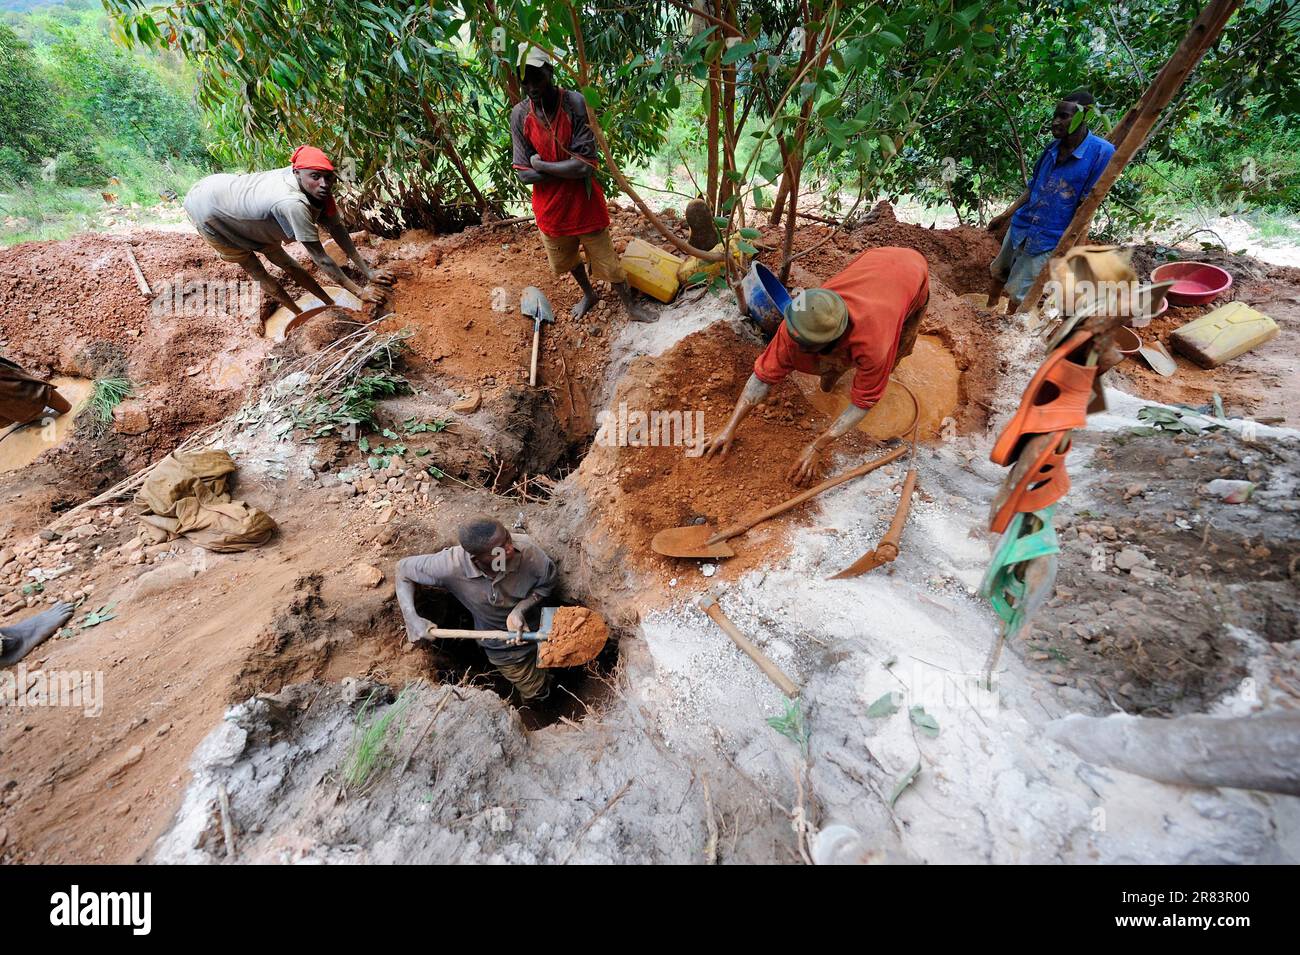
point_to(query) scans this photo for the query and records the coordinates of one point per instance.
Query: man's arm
(805, 467)
(521, 151)
(339, 233)
(754, 393)
(412, 571)
(997, 222)
(541, 590)
(571, 168)
(327, 265)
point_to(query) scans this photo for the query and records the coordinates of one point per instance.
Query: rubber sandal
(1056, 398)
(1001, 586)
(1037, 480)
(1038, 584)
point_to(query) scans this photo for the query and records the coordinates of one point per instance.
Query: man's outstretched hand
(373, 295)
(719, 445)
(381, 277)
(804, 469)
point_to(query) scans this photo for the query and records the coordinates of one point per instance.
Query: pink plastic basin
(1195, 283)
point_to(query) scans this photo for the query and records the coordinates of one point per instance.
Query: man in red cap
(239, 215)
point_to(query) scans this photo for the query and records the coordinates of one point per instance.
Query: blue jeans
(1016, 269)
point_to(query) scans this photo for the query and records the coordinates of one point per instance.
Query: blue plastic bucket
(766, 297)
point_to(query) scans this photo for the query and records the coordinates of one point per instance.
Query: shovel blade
(689, 542)
(548, 621)
(1158, 358)
(534, 303)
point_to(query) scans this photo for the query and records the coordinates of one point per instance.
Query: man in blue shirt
(1063, 176)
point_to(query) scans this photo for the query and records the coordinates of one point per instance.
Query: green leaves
(737, 53)
(926, 723)
(886, 705)
(96, 617)
(790, 724)
(903, 782)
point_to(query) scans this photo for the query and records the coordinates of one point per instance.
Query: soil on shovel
(577, 634)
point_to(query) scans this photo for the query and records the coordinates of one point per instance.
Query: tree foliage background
(80, 114)
(941, 99)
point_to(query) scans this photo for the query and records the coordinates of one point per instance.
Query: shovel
(572, 653)
(1161, 362)
(703, 541)
(533, 302)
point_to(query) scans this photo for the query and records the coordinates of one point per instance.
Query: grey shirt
(489, 599)
(255, 210)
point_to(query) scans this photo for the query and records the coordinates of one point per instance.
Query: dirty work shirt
(22, 397)
(488, 599)
(1055, 191)
(881, 287)
(562, 206)
(257, 209)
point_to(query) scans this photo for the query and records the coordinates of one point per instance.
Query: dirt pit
(582, 686)
(931, 374)
(294, 634)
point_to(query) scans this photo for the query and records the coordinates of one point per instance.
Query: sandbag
(186, 495)
(183, 474)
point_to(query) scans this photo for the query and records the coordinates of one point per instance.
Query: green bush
(80, 167)
(28, 124)
(14, 167)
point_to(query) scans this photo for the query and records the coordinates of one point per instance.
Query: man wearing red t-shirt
(866, 318)
(555, 153)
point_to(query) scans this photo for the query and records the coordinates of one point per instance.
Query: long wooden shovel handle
(787, 686)
(532, 371)
(439, 633)
(735, 530)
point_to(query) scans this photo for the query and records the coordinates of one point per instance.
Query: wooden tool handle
(438, 633)
(746, 523)
(532, 371)
(900, 515)
(786, 685)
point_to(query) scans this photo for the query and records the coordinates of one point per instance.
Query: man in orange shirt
(866, 318)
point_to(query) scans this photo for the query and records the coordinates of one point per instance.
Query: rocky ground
(236, 686)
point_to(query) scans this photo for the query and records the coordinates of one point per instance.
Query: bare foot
(19, 639)
(586, 305)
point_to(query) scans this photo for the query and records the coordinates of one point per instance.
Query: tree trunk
(712, 105)
(1246, 752)
(778, 204)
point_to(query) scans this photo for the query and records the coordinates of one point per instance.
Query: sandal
(1037, 480)
(1004, 589)
(1056, 398)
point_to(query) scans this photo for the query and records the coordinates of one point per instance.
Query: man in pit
(242, 215)
(498, 577)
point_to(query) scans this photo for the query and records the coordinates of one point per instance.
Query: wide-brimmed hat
(816, 316)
